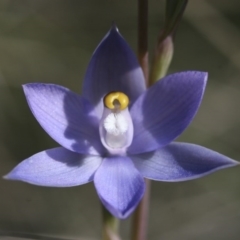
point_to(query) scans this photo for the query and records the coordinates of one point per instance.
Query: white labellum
(115, 123)
(116, 126)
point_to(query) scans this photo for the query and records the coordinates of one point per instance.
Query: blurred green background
(52, 42)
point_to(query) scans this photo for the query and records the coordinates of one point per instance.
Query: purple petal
(65, 116)
(180, 162)
(164, 111)
(119, 185)
(57, 167)
(113, 67)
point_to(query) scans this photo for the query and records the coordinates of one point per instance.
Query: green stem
(140, 218)
(161, 63)
(110, 226)
(162, 59)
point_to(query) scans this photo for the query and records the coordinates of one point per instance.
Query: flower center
(116, 129)
(116, 101)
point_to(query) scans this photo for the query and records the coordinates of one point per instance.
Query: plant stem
(143, 36)
(140, 218)
(110, 226)
(163, 57)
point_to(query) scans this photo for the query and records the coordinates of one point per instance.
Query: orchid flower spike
(118, 132)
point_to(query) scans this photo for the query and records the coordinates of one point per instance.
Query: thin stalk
(110, 226)
(143, 36)
(140, 218)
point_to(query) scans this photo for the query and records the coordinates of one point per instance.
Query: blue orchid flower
(118, 132)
